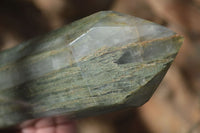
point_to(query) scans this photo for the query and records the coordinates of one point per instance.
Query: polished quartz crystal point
(101, 63)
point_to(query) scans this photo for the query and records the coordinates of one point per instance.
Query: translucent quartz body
(98, 64)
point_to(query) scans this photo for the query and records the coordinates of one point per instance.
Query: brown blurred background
(175, 106)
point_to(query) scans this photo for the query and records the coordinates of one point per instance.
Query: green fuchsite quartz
(101, 63)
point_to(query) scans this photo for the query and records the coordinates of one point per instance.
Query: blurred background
(175, 106)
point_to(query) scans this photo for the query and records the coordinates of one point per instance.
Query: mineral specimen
(101, 63)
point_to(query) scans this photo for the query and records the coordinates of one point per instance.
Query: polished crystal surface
(101, 63)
